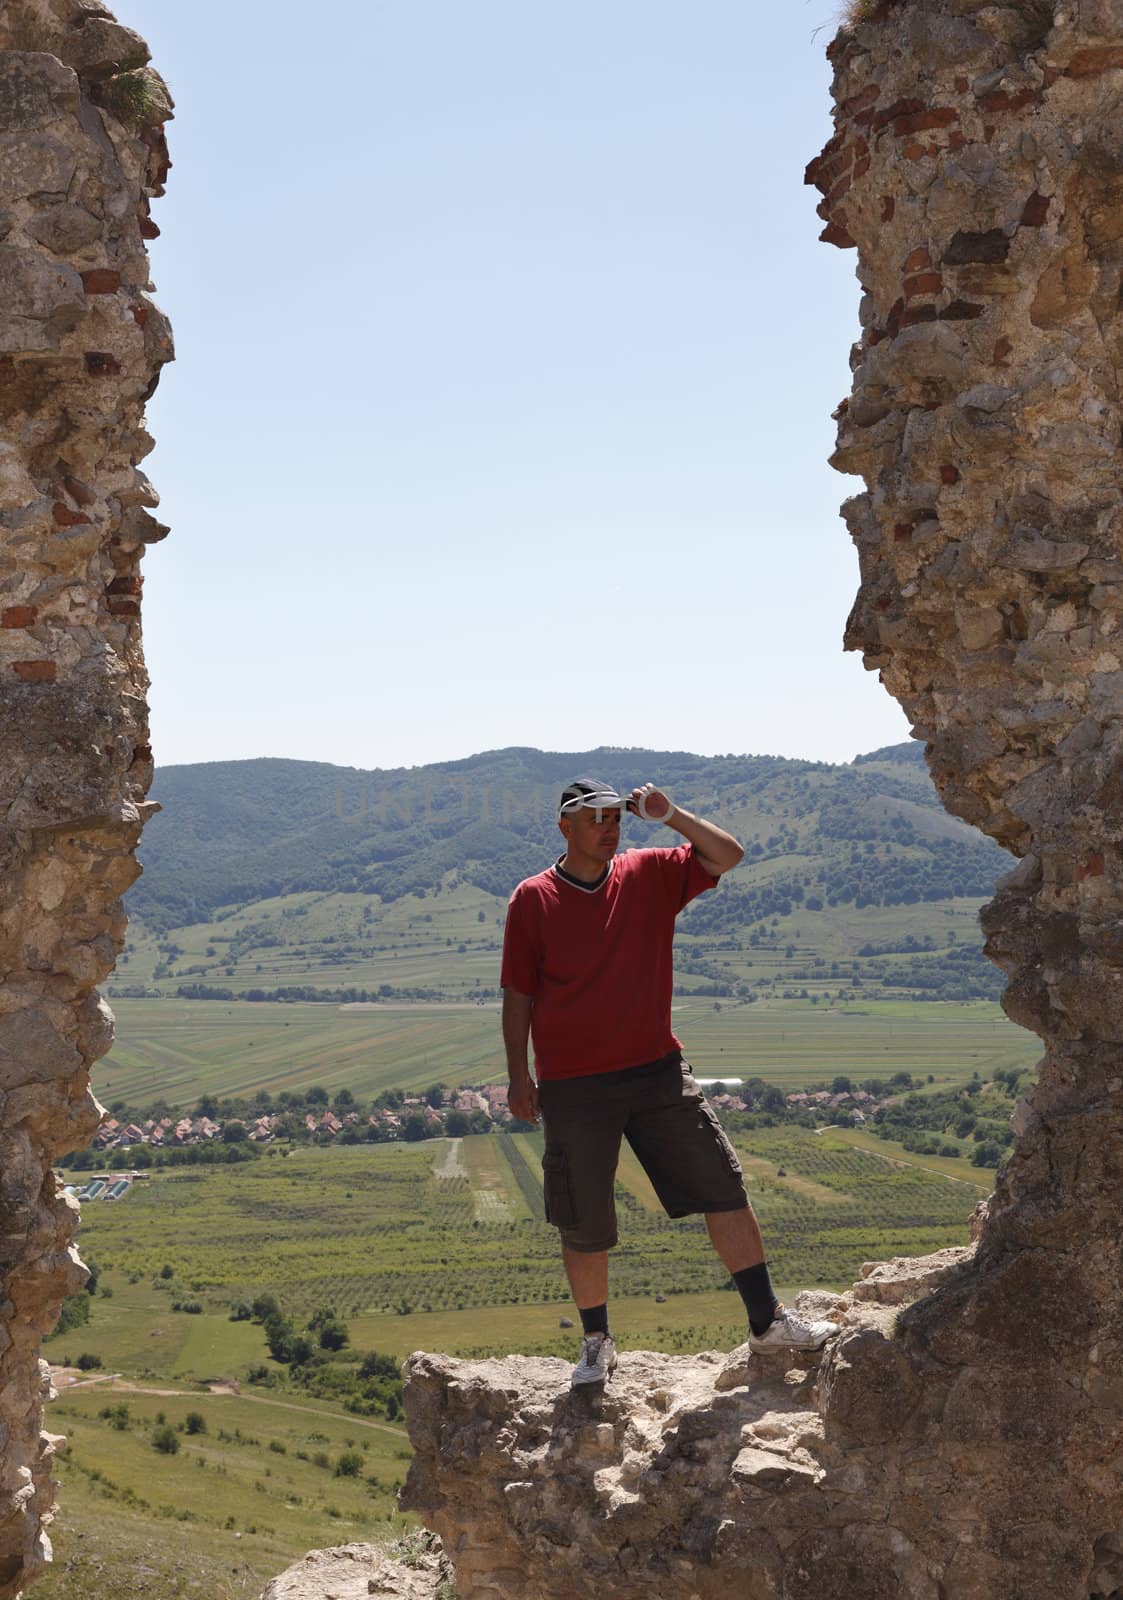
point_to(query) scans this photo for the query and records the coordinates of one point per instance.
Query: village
(464, 1110)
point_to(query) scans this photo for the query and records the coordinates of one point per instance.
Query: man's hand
(522, 1098)
(651, 803)
(716, 850)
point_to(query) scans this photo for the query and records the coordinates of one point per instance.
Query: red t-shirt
(597, 962)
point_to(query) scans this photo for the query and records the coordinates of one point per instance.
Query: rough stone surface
(81, 346)
(363, 1571)
(690, 1477)
(961, 1438)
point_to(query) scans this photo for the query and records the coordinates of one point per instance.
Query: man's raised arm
(717, 850)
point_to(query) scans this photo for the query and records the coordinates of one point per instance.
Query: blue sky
(506, 357)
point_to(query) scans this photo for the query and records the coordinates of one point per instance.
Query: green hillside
(294, 880)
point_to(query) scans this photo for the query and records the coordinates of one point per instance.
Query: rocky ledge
(415, 1568)
(689, 1477)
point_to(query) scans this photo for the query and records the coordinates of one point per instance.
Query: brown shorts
(665, 1118)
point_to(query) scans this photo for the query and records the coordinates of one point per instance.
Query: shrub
(87, 1361)
(75, 1312)
(349, 1465)
(195, 1422)
(164, 1439)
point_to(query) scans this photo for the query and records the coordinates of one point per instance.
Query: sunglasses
(601, 813)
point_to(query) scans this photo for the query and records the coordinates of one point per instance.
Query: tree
(415, 1128)
(333, 1334)
(195, 1422)
(300, 1350)
(316, 1096)
(279, 1336)
(457, 1124)
(435, 1096)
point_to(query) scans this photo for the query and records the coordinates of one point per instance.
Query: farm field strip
(182, 1049)
(114, 1383)
(634, 1179)
(495, 1192)
(956, 1171)
(639, 1323)
(759, 1167)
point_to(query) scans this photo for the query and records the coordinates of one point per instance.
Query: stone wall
(968, 1446)
(81, 347)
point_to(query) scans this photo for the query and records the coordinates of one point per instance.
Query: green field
(439, 1246)
(390, 1233)
(182, 1049)
(231, 1508)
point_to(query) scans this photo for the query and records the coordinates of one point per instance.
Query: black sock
(595, 1319)
(755, 1288)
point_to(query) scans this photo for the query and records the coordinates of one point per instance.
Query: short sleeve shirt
(597, 960)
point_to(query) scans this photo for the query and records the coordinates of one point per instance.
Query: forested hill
(868, 833)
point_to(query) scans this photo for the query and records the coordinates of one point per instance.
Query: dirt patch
(450, 1161)
(490, 1205)
(791, 1180)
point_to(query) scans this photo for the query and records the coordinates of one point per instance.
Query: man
(587, 974)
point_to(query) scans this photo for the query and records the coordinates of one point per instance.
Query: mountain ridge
(280, 873)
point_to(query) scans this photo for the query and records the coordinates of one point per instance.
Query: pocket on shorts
(691, 1090)
(557, 1190)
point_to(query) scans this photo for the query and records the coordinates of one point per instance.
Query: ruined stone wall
(81, 347)
(971, 1446)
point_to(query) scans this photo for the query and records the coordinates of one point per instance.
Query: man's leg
(587, 1271)
(735, 1235)
(583, 1124)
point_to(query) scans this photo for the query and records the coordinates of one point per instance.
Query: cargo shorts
(663, 1114)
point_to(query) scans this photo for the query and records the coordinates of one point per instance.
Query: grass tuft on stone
(139, 98)
(858, 11)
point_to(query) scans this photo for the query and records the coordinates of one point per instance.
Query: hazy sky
(506, 361)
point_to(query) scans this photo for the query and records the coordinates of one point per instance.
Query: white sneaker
(790, 1331)
(598, 1359)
